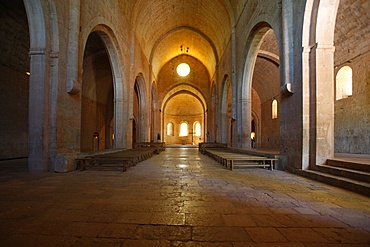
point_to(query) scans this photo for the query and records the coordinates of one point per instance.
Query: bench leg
(82, 165)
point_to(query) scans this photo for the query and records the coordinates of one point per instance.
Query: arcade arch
(140, 118)
(97, 107)
(260, 87)
(183, 111)
(183, 103)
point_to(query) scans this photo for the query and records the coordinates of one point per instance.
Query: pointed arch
(142, 118)
(188, 90)
(107, 33)
(245, 88)
(119, 86)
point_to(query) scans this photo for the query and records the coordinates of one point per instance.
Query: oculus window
(183, 69)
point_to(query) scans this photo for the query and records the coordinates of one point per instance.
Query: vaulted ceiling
(202, 27)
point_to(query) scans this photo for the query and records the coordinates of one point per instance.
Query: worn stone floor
(177, 198)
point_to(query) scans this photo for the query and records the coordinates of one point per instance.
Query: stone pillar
(246, 115)
(306, 99)
(72, 84)
(287, 60)
(118, 123)
(324, 103)
(37, 114)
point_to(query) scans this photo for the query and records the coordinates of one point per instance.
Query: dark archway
(14, 80)
(97, 94)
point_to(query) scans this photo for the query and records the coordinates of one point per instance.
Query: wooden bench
(202, 146)
(232, 159)
(122, 159)
(252, 161)
(158, 146)
(104, 162)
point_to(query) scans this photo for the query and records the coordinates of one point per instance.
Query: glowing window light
(274, 109)
(170, 129)
(344, 83)
(197, 129)
(183, 69)
(183, 129)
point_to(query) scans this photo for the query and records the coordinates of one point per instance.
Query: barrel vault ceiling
(201, 27)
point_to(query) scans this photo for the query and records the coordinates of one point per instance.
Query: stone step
(345, 183)
(344, 172)
(348, 165)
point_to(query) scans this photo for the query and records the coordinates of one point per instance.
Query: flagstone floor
(177, 198)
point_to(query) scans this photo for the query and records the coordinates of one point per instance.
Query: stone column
(118, 123)
(324, 103)
(37, 114)
(72, 84)
(287, 61)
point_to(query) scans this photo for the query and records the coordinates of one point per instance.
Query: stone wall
(352, 48)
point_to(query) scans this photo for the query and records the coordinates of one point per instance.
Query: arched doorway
(97, 108)
(139, 110)
(266, 91)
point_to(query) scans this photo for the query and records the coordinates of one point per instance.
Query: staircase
(350, 175)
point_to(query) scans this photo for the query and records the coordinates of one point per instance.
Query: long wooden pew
(124, 159)
(159, 146)
(202, 146)
(232, 159)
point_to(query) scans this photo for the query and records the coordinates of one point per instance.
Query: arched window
(274, 108)
(197, 129)
(183, 129)
(170, 129)
(344, 83)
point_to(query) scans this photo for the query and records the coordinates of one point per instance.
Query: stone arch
(318, 81)
(184, 89)
(195, 116)
(206, 49)
(107, 33)
(210, 42)
(97, 96)
(197, 96)
(141, 118)
(226, 110)
(245, 88)
(120, 90)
